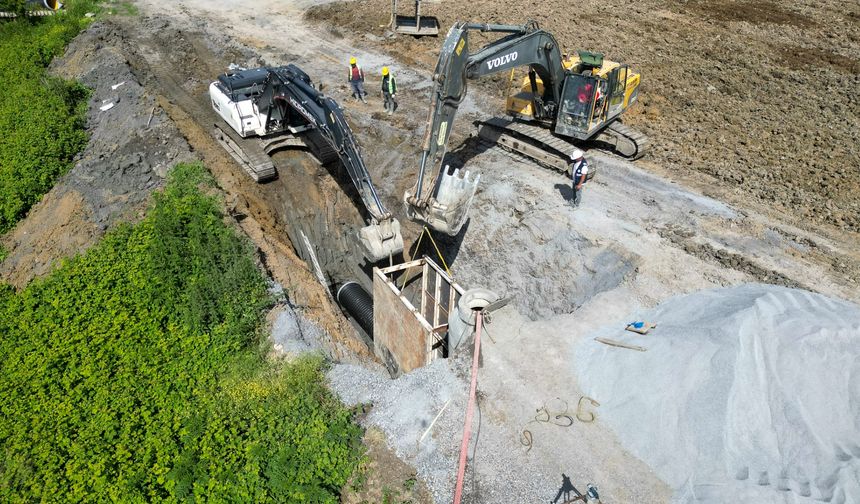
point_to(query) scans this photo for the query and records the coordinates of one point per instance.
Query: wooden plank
(436, 296)
(403, 266)
(620, 344)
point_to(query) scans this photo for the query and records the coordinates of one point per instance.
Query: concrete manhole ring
(461, 322)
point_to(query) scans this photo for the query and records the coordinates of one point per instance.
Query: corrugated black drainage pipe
(358, 303)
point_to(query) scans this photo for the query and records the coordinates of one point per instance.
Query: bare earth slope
(132, 146)
(760, 97)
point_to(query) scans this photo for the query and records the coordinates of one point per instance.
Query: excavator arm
(292, 87)
(442, 201)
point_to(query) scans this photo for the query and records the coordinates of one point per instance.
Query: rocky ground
(748, 100)
(640, 238)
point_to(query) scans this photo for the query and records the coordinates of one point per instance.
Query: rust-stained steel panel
(402, 337)
(399, 339)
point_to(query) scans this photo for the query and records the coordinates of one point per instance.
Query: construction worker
(389, 90)
(356, 80)
(578, 172)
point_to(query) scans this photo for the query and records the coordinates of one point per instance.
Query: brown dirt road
(753, 102)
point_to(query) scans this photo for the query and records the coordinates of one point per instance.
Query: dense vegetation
(41, 117)
(136, 373)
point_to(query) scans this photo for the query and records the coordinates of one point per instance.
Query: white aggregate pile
(294, 334)
(405, 409)
(745, 394)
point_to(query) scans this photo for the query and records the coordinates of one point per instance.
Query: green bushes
(134, 374)
(41, 117)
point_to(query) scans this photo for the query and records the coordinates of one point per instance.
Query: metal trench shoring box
(410, 313)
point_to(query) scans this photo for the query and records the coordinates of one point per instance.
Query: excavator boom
(441, 199)
(284, 98)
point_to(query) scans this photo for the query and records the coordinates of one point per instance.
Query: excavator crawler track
(529, 140)
(249, 154)
(626, 141)
(254, 157)
(538, 143)
(318, 148)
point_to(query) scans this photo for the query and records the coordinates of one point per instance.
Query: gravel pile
(293, 334)
(751, 392)
(405, 408)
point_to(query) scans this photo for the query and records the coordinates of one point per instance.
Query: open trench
(304, 213)
(314, 210)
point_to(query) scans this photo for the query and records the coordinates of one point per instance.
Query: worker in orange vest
(356, 80)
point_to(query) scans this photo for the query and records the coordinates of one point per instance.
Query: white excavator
(282, 108)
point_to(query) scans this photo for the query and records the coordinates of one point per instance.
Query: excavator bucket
(381, 240)
(447, 211)
(416, 25)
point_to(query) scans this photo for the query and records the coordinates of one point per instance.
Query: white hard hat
(576, 154)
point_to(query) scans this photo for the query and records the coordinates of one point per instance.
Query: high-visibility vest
(355, 74)
(389, 84)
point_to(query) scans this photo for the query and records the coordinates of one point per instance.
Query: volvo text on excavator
(561, 102)
(282, 107)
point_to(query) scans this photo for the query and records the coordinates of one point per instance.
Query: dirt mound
(760, 98)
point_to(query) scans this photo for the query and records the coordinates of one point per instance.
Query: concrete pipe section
(461, 322)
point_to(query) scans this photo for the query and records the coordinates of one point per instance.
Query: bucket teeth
(447, 211)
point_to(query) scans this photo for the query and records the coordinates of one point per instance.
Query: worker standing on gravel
(579, 172)
(356, 80)
(389, 90)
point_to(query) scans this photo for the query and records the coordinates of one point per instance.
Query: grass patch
(135, 373)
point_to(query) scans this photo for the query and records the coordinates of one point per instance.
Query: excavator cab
(594, 93)
(578, 106)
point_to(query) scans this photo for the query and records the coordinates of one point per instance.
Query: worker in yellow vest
(389, 90)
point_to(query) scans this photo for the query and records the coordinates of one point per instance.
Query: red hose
(467, 427)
